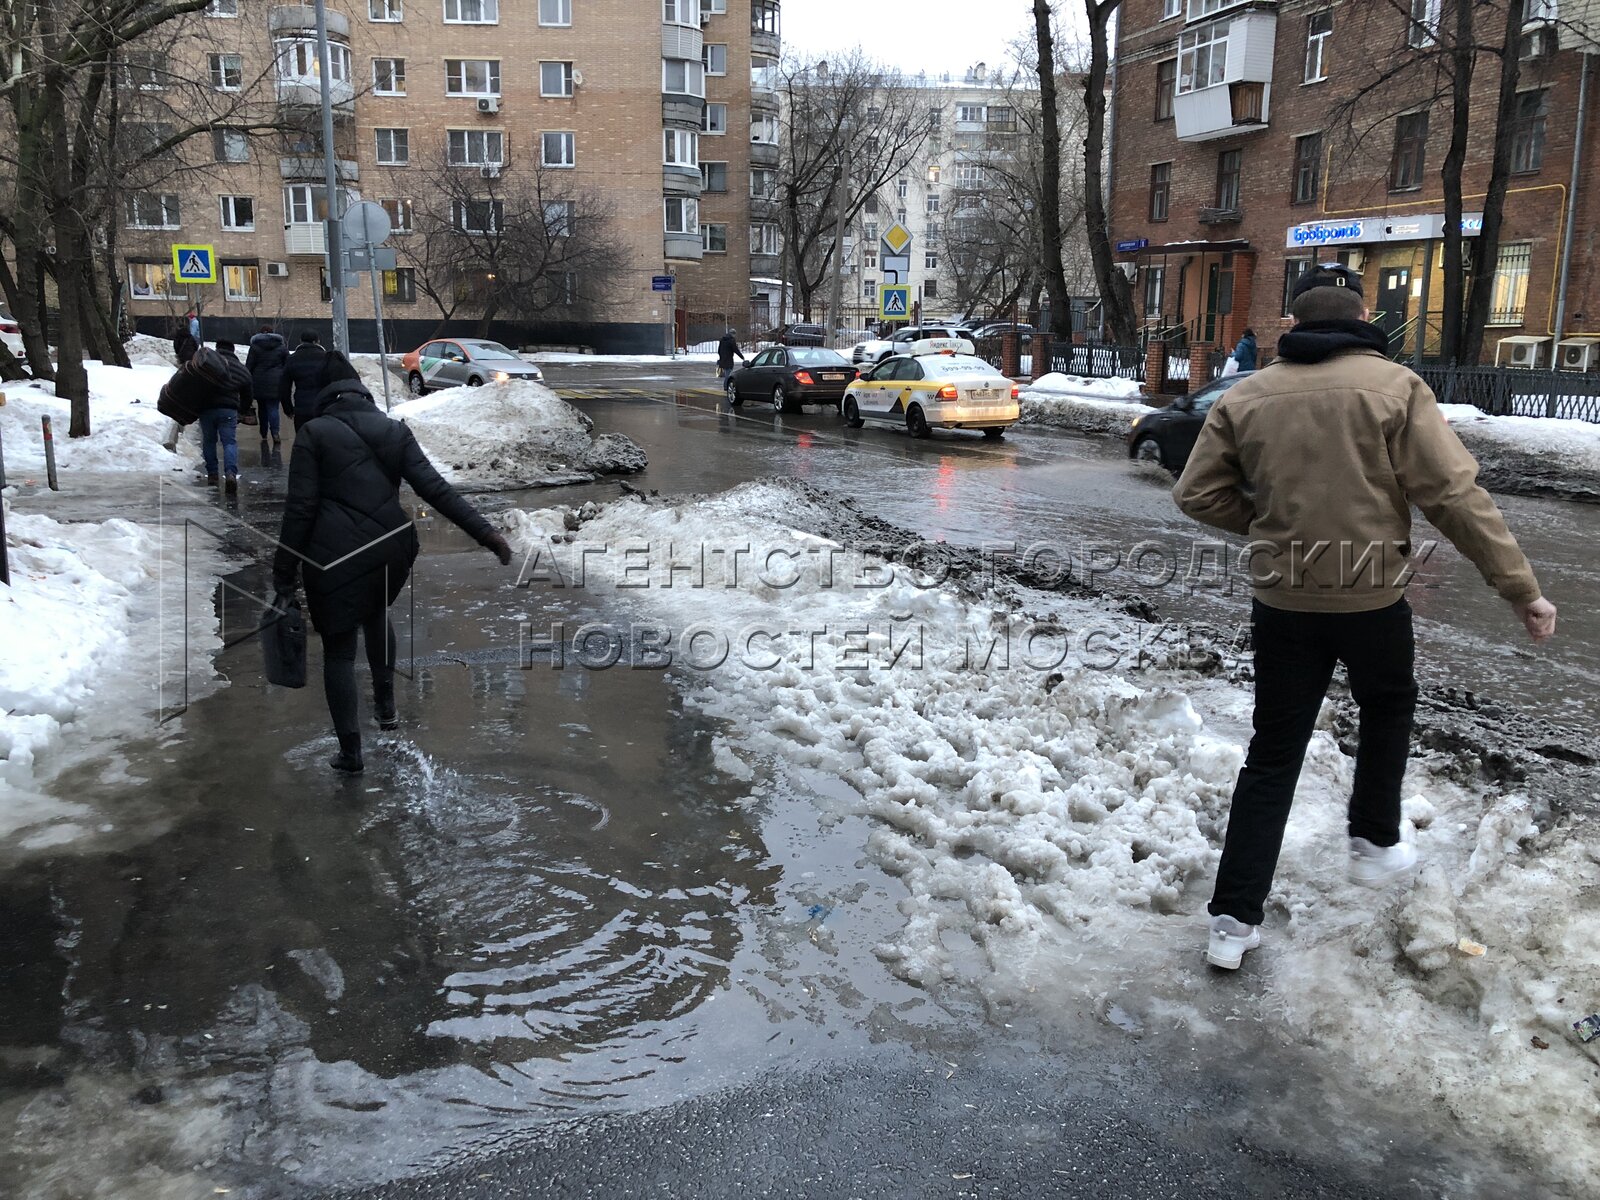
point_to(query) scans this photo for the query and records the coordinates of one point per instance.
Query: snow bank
(515, 434)
(1575, 442)
(1057, 827)
(1078, 385)
(146, 351)
(557, 356)
(126, 429)
(1091, 414)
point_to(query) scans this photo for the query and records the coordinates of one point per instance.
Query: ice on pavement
(1057, 827)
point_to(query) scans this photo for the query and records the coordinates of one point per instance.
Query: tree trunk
(1486, 249)
(1116, 294)
(1461, 61)
(1055, 276)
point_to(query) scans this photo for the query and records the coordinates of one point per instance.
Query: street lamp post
(842, 202)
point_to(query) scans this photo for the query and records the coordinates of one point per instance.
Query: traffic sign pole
(330, 169)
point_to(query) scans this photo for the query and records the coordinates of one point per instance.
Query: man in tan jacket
(1318, 459)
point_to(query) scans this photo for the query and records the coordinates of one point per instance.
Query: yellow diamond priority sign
(194, 264)
(897, 237)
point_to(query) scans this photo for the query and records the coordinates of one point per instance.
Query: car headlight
(501, 377)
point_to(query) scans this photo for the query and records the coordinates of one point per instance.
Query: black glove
(501, 548)
(284, 594)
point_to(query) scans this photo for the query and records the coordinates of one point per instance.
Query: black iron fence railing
(1096, 360)
(1518, 392)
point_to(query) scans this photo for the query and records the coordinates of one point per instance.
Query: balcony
(685, 112)
(681, 41)
(304, 17)
(679, 180)
(310, 167)
(763, 154)
(684, 247)
(305, 240)
(1221, 216)
(765, 37)
(296, 91)
(1225, 77)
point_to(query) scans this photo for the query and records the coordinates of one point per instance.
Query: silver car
(464, 362)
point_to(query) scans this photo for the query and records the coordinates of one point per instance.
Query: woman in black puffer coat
(343, 509)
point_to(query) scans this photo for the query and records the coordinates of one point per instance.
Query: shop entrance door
(1393, 307)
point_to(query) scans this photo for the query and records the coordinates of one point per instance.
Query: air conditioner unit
(489, 104)
(1578, 354)
(491, 172)
(277, 270)
(1537, 42)
(1519, 350)
(577, 77)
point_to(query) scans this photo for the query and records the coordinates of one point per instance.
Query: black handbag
(283, 643)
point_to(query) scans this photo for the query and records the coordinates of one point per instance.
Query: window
(1155, 279)
(400, 285)
(900, 215)
(223, 8)
(149, 281)
(230, 145)
(386, 10)
(902, 188)
(227, 72)
(477, 216)
(681, 12)
(1535, 12)
(241, 281)
(1410, 152)
(930, 289)
(715, 120)
(764, 237)
(399, 214)
(389, 76)
(147, 139)
(763, 183)
(712, 8)
(1230, 167)
(1509, 298)
(1307, 167)
(394, 147)
(713, 176)
(1002, 117)
(969, 114)
(476, 147)
(307, 203)
(683, 215)
(935, 120)
(764, 17)
(930, 260)
(555, 79)
(1293, 268)
(869, 289)
(1319, 26)
(238, 213)
(931, 205)
(558, 149)
(1422, 30)
(934, 173)
(555, 12)
(682, 77)
(1527, 132)
(1204, 8)
(472, 76)
(145, 70)
(871, 206)
(1170, 9)
(714, 58)
(969, 175)
(1160, 191)
(472, 12)
(714, 238)
(298, 62)
(682, 148)
(764, 131)
(1166, 83)
(152, 210)
(763, 73)
(930, 233)
(869, 259)
(869, 231)
(560, 217)
(1203, 56)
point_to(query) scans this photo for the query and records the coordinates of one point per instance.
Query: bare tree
(1116, 294)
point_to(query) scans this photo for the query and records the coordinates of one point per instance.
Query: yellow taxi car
(933, 391)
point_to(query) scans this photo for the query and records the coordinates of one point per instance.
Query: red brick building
(1252, 139)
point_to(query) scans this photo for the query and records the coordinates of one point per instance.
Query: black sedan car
(787, 377)
(1166, 435)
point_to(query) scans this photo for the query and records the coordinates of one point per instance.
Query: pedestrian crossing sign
(194, 264)
(894, 302)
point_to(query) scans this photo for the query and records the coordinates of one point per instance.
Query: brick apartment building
(1252, 139)
(659, 108)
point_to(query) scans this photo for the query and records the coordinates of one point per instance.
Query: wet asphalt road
(546, 948)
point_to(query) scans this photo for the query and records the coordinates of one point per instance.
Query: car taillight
(948, 392)
(804, 377)
(8, 327)
(1016, 390)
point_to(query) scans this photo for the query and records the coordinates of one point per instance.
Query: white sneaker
(1229, 940)
(1375, 866)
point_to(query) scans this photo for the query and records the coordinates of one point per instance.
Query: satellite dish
(577, 77)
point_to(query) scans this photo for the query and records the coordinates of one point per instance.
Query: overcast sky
(935, 36)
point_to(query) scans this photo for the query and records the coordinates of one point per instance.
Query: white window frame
(930, 260)
(765, 238)
(964, 114)
(688, 209)
(397, 78)
(705, 121)
(764, 131)
(681, 12)
(240, 295)
(1171, 9)
(707, 57)
(869, 289)
(969, 175)
(707, 237)
(1512, 268)
(1422, 25)
(216, 61)
(712, 8)
(303, 196)
(680, 148)
(562, 10)
(460, 211)
(402, 142)
(1198, 49)
(935, 171)
(569, 143)
(1199, 10)
(694, 74)
(223, 9)
(386, 12)
(457, 71)
(560, 218)
(298, 61)
(490, 9)
(171, 215)
(228, 213)
(1317, 47)
(224, 136)
(565, 83)
(162, 271)
(931, 203)
(757, 176)
(402, 217)
(475, 142)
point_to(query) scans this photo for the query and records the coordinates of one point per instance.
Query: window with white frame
(934, 171)
(555, 79)
(930, 260)
(1422, 30)
(238, 213)
(476, 147)
(682, 215)
(222, 8)
(932, 203)
(558, 149)
(386, 10)
(930, 233)
(1170, 9)
(764, 238)
(763, 183)
(715, 119)
(1508, 300)
(400, 285)
(869, 232)
(307, 203)
(869, 259)
(1539, 12)
(144, 70)
(241, 281)
(152, 210)
(1203, 56)
(478, 215)
(227, 72)
(680, 77)
(969, 114)
(389, 76)
(560, 218)
(298, 62)
(230, 145)
(712, 8)
(714, 237)
(472, 12)
(764, 131)
(394, 147)
(714, 58)
(681, 12)
(682, 148)
(1319, 28)
(400, 218)
(555, 12)
(472, 76)
(869, 289)
(902, 188)
(713, 177)
(969, 175)
(150, 280)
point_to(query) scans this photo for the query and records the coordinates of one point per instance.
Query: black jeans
(339, 671)
(1295, 656)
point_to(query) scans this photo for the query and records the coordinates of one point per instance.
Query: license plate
(833, 376)
(986, 393)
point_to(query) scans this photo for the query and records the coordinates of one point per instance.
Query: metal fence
(1095, 360)
(1518, 392)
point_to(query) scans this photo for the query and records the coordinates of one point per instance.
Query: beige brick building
(645, 106)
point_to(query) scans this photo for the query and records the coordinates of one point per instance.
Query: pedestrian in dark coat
(302, 374)
(219, 419)
(727, 350)
(343, 509)
(183, 343)
(1245, 352)
(266, 360)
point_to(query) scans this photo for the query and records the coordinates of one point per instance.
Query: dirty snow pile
(1056, 816)
(1574, 444)
(93, 631)
(515, 434)
(1109, 410)
(1078, 385)
(146, 351)
(125, 428)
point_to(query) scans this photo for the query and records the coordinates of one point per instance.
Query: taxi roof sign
(194, 264)
(897, 237)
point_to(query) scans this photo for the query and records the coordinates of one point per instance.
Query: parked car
(922, 393)
(797, 334)
(913, 339)
(994, 329)
(1166, 435)
(790, 376)
(470, 362)
(10, 332)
